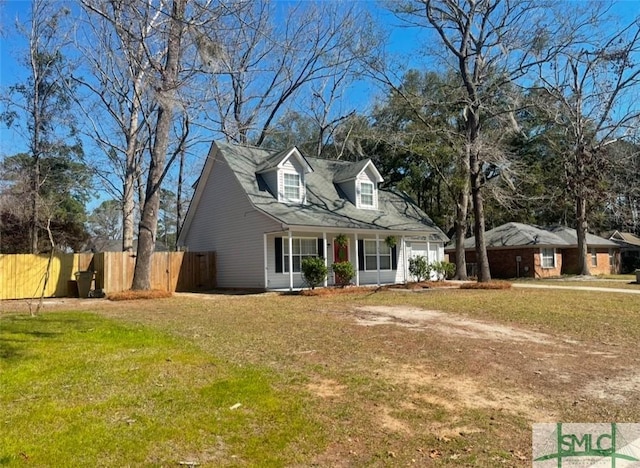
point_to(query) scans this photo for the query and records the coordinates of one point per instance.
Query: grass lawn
(443, 377)
(608, 281)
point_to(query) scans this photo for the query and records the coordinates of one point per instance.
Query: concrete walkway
(579, 288)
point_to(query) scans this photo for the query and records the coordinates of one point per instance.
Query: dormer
(359, 181)
(285, 174)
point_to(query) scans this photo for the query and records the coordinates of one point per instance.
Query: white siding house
(263, 212)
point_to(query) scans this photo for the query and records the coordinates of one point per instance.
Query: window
(291, 186)
(366, 194)
(612, 258)
(370, 263)
(594, 257)
(548, 258)
(302, 248)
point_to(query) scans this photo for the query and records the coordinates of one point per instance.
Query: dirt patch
(391, 423)
(619, 389)
(459, 393)
(326, 388)
(421, 319)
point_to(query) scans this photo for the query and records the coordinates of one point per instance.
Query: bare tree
(594, 86)
(269, 54)
(488, 45)
(113, 45)
(166, 92)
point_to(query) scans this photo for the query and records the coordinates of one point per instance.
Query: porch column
(378, 257)
(326, 255)
(405, 260)
(429, 259)
(266, 267)
(355, 236)
(290, 240)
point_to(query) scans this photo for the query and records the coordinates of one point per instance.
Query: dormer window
(359, 182)
(366, 195)
(284, 174)
(292, 187)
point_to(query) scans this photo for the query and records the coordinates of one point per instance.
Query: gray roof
(350, 171)
(326, 205)
(525, 235)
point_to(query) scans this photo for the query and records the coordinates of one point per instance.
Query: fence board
(22, 275)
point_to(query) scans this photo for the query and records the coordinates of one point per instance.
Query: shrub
(314, 271)
(444, 269)
(419, 268)
(344, 273)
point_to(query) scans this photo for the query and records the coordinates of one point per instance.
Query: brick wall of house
(603, 266)
(504, 265)
(541, 272)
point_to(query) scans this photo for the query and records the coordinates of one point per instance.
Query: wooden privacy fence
(22, 276)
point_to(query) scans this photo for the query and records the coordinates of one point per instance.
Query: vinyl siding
(271, 179)
(227, 223)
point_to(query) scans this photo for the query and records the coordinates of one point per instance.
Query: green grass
(81, 390)
(151, 383)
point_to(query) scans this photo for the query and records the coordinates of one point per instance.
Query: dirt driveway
(541, 362)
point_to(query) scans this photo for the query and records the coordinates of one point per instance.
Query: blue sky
(403, 41)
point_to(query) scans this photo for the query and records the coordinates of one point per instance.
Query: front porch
(378, 258)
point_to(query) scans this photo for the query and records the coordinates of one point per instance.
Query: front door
(340, 252)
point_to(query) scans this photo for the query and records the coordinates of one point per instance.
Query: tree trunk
(581, 234)
(476, 182)
(128, 207)
(33, 222)
(149, 217)
(179, 196)
(484, 272)
(462, 207)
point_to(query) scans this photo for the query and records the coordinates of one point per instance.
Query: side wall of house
(504, 263)
(227, 223)
(603, 266)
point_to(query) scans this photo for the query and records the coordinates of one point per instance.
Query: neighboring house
(263, 212)
(522, 250)
(629, 249)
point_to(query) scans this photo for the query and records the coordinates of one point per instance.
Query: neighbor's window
(548, 258)
(594, 257)
(612, 258)
(291, 186)
(370, 263)
(302, 248)
(366, 194)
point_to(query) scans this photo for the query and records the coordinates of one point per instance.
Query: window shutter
(394, 257)
(360, 255)
(278, 249)
(320, 247)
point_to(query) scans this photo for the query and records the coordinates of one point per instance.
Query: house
(521, 250)
(263, 212)
(629, 249)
